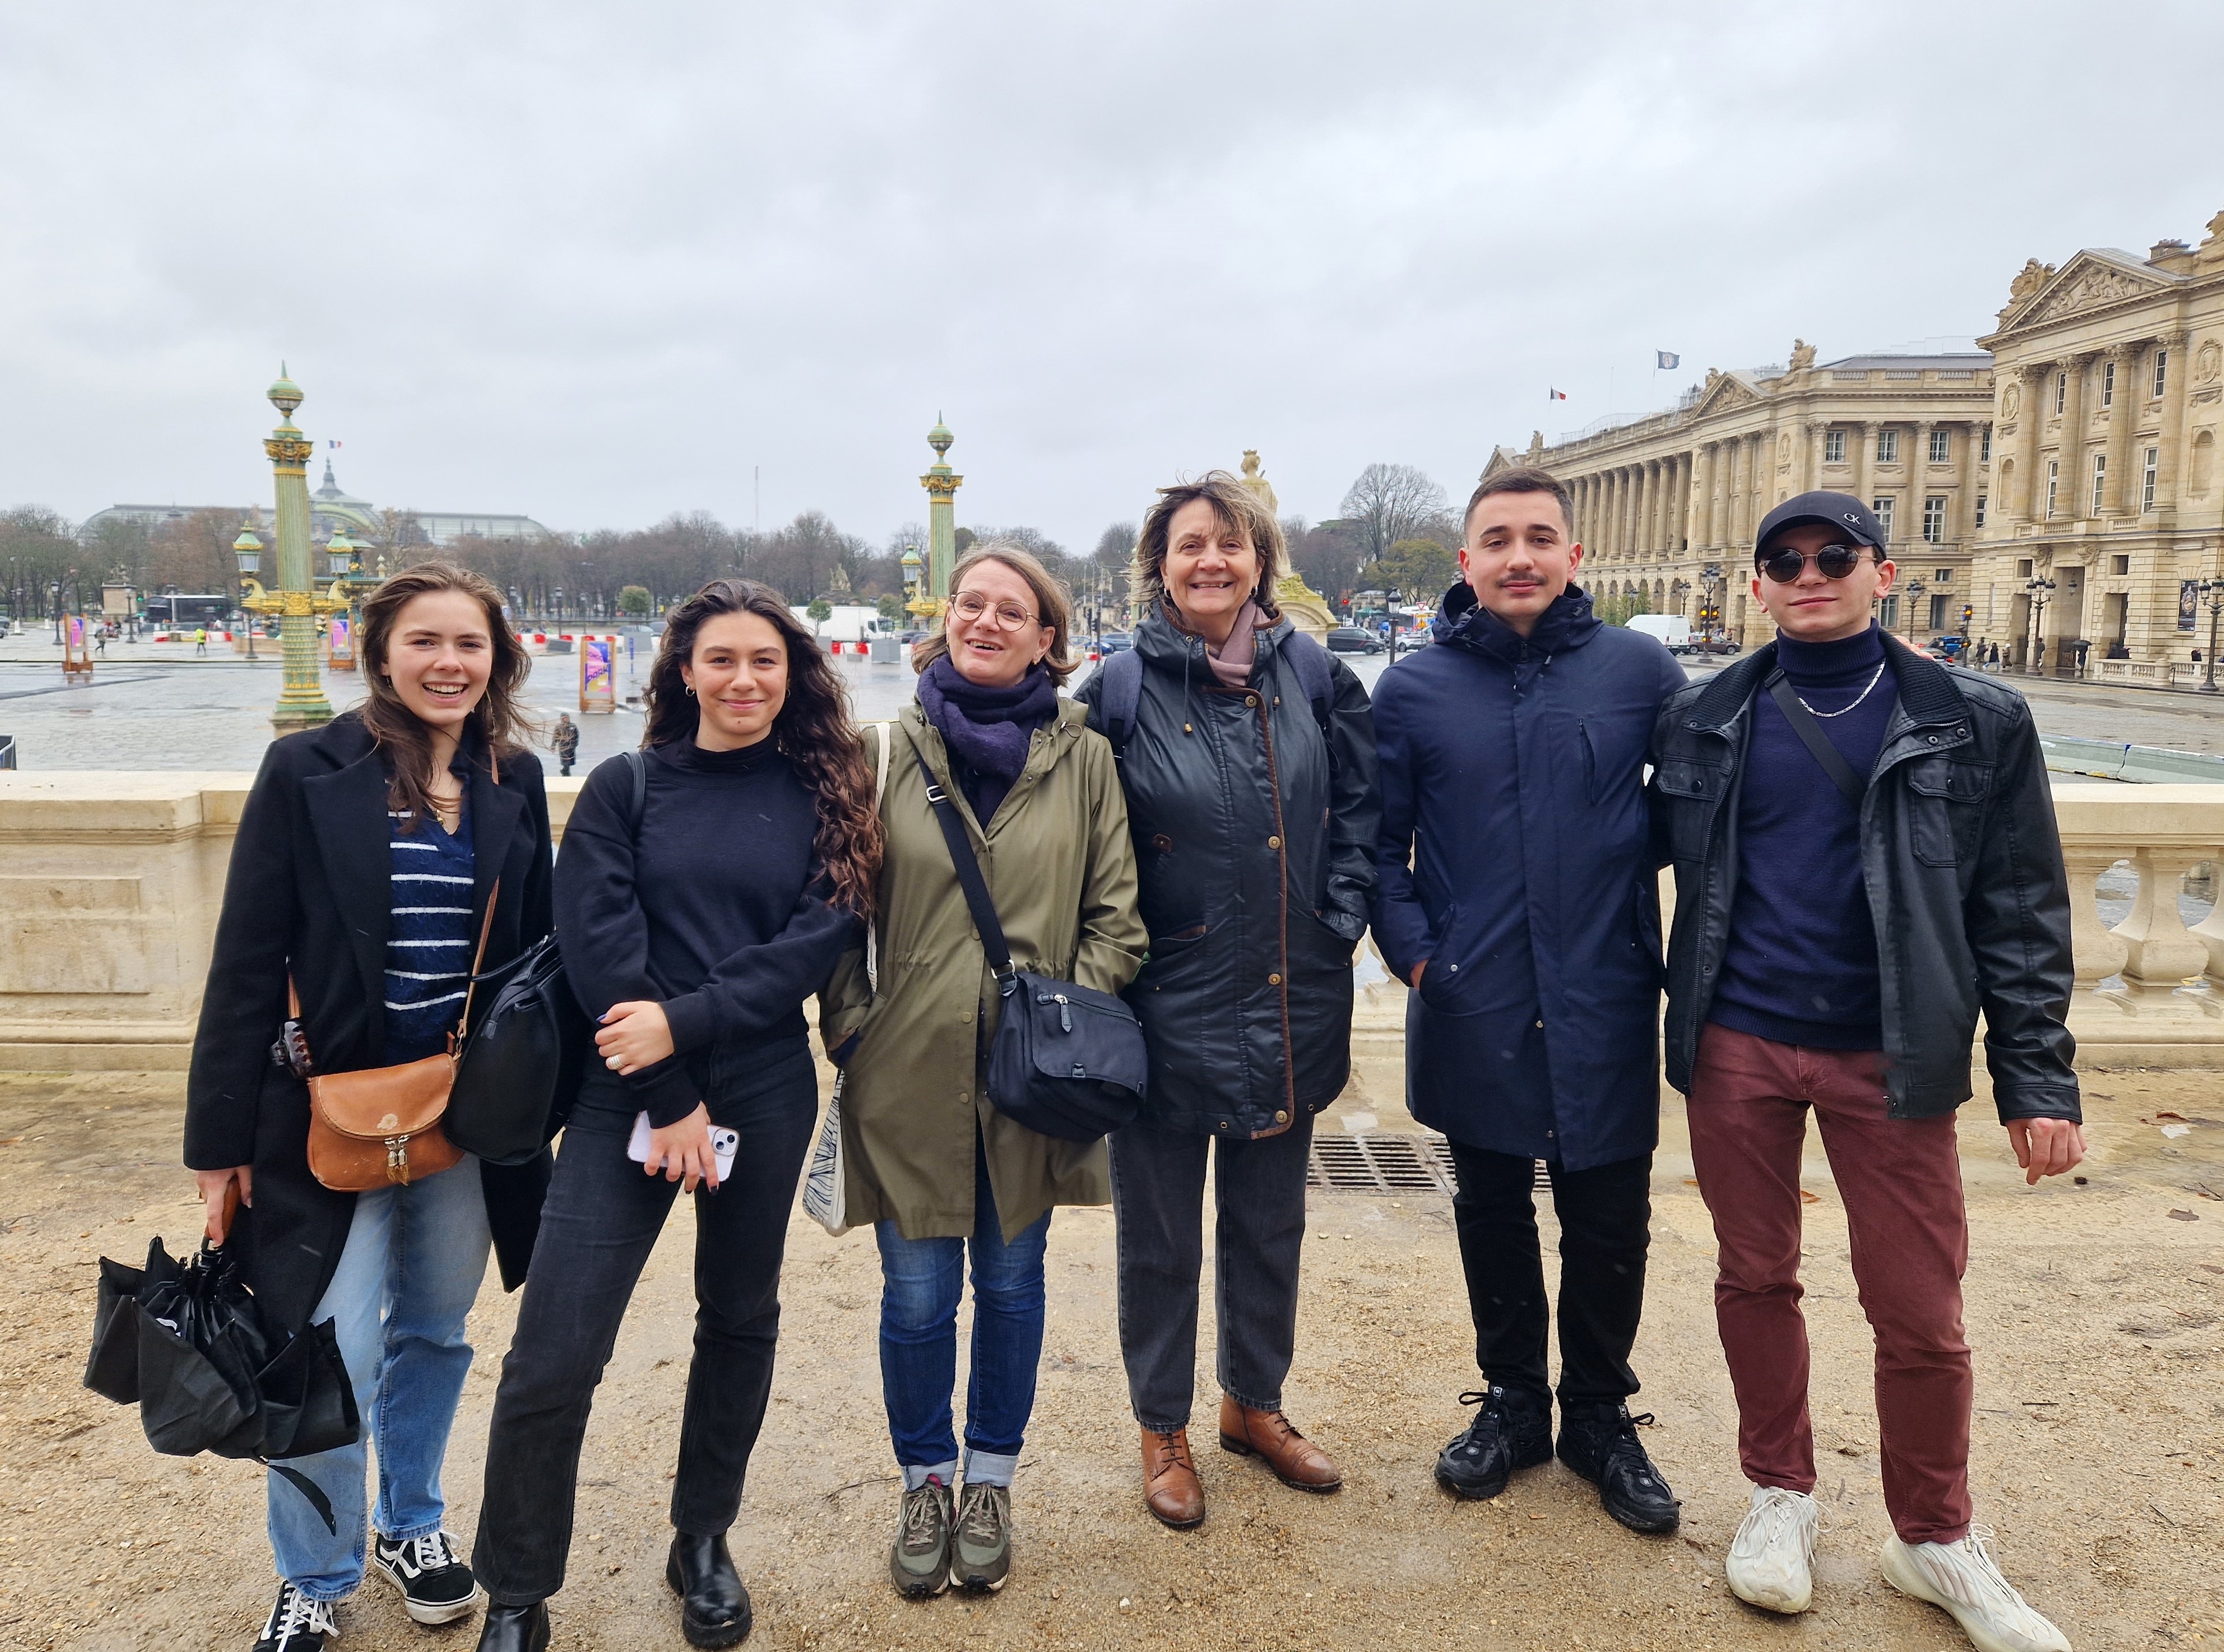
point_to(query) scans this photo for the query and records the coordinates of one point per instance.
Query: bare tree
(1327, 555)
(1390, 502)
(1115, 547)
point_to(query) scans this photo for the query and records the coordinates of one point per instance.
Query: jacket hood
(1465, 623)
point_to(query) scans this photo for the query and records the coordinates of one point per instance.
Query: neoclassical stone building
(2109, 380)
(1666, 507)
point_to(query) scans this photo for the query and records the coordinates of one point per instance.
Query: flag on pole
(331, 443)
(1558, 395)
(1666, 358)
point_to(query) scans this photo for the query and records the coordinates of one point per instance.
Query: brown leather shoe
(1267, 1435)
(1170, 1484)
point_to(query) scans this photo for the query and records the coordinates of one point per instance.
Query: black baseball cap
(1839, 510)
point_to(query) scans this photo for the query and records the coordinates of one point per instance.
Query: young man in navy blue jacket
(1866, 860)
(1517, 892)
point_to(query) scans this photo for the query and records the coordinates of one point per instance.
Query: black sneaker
(297, 1623)
(981, 1544)
(1599, 1443)
(436, 1587)
(1512, 1431)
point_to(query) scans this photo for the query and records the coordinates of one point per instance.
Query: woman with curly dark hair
(372, 855)
(708, 886)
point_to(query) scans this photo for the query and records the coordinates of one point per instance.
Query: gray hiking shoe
(918, 1564)
(980, 1549)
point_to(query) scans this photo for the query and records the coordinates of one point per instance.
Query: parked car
(1113, 642)
(1716, 645)
(1350, 639)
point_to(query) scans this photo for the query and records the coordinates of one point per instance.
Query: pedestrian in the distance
(1247, 754)
(928, 1159)
(368, 854)
(1866, 859)
(706, 889)
(565, 742)
(200, 640)
(1518, 896)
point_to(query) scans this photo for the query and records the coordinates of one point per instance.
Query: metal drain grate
(1385, 1163)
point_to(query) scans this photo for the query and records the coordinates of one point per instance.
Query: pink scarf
(1231, 661)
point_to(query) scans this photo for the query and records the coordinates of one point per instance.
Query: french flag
(1558, 395)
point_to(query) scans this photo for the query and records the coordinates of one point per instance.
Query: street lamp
(1914, 590)
(2038, 589)
(2212, 592)
(1711, 585)
(249, 549)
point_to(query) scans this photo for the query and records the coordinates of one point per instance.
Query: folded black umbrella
(186, 1343)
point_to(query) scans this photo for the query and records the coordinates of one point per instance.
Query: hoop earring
(690, 691)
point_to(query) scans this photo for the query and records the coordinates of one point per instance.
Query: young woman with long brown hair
(367, 855)
(708, 887)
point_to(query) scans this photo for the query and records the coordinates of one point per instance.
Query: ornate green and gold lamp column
(941, 484)
(301, 702)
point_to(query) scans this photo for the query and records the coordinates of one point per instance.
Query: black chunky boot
(1513, 1430)
(1598, 1442)
(714, 1607)
(515, 1628)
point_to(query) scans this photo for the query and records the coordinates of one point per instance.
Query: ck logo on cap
(1854, 517)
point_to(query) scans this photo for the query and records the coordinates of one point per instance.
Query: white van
(1673, 630)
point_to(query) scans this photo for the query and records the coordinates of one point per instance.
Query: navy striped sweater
(428, 938)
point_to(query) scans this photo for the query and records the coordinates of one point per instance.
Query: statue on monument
(1303, 606)
(1802, 355)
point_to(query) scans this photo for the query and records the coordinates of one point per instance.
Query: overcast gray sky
(595, 262)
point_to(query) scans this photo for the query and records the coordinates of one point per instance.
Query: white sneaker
(1965, 1580)
(1772, 1558)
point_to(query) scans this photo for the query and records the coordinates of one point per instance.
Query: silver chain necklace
(1842, 710)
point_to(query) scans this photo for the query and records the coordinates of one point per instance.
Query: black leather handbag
(1067, 1060)
(520, 1072)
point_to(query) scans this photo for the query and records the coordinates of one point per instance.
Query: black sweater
(1801, 966)
(717, 909)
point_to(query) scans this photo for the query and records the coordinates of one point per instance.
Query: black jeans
(1158, 1201)
(1606, 1215)
(601, 1222)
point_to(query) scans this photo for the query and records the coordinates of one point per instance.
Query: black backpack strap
(1817, 743)
(977, 898)
(1123, 692)
(1311, 662)
(638, 762)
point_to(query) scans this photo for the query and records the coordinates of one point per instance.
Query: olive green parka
(1061, 868)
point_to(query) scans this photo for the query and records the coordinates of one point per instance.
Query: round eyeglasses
(970, 606)
(1832, 562)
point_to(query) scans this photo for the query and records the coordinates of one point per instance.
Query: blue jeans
(407, 1279)
(922, 1280)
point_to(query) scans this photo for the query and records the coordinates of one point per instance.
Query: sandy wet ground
(2094, 1308)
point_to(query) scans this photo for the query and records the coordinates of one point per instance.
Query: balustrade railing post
(2098, 951)
(2210, 931)
(2159, 952)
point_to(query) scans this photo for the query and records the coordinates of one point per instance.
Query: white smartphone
(722, 1142)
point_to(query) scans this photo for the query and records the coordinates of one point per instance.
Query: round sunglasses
(1832, 561)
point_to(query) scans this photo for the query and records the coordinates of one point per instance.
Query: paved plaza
(2096, 1307)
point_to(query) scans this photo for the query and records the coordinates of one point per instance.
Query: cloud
(600, 264)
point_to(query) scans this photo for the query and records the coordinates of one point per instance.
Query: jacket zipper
(1282, 906)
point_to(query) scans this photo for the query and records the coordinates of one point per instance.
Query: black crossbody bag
(1067, 1060)
(1849, 784)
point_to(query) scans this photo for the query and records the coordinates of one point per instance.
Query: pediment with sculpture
(2039, 294)
(1724, 391)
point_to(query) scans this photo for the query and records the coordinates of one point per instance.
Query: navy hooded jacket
(1515, 858)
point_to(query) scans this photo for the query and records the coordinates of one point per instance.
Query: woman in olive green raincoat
(927, 1159)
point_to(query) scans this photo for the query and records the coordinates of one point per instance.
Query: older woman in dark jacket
(366, 858)
(1248, 756)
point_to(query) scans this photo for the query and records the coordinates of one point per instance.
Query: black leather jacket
(1254, 835)
(1963, 866)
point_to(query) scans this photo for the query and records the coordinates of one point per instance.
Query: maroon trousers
(1901, 1181)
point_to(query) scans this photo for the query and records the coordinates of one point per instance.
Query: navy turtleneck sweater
(1801, 966)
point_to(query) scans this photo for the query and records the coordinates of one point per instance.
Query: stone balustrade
(109, 885)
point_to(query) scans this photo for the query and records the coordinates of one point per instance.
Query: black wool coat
(308, 893)
(1254, 832)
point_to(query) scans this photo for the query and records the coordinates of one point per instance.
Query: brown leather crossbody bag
(381, 1127)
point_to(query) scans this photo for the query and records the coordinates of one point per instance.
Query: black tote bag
(1067, 1060)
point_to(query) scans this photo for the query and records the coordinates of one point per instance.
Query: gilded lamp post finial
(301, 701)
(941, 483)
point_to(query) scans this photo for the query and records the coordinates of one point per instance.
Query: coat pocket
(1945, 808)
(1690, 791)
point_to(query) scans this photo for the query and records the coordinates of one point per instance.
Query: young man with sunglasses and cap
(1866, 858)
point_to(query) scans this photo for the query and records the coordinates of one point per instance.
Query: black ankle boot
(1599, 1443)
(516, 1628)
(1513, 1430)
(714, 1607)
